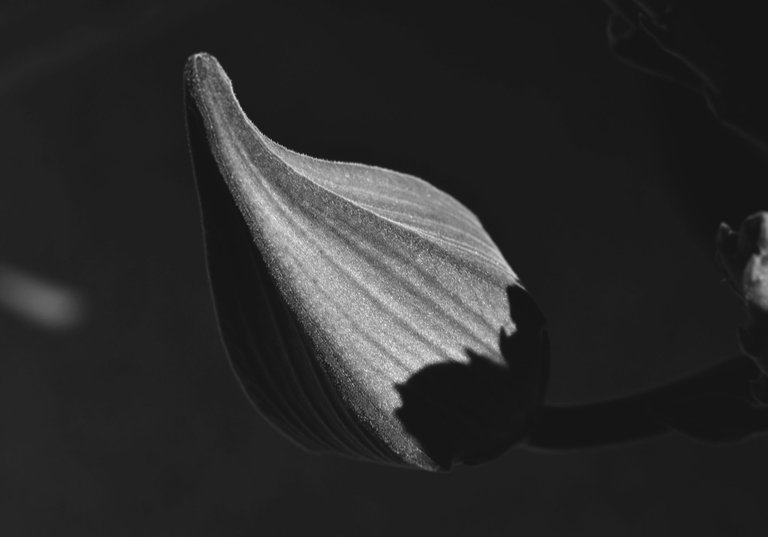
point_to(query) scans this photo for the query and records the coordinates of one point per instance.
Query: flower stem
(714, 405)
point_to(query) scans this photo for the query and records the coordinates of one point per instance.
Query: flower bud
(365, 312)
(743, 255)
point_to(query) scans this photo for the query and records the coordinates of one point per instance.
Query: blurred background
(119, 414)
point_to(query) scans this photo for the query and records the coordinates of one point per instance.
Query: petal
(268, 351)
(371, 277)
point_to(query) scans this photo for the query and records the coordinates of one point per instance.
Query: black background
(602, 187)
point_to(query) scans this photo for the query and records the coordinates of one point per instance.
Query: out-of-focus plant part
(45, 303)
(743, 254)
(365, 312)
(716, 48)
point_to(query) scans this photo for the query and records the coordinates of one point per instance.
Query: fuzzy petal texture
(365, 312)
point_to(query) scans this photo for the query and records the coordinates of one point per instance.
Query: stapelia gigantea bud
(365, 312)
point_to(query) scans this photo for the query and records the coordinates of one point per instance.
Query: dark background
(119, 414)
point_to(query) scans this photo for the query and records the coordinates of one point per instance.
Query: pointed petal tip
(200, 61)
(203, 74)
